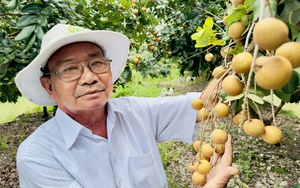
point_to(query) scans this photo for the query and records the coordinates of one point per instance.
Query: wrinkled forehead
(76, 52)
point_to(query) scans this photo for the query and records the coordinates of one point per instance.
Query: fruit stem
(248, 37)
(256, 48)
(262, 9)
(269, 6)
(272, 106)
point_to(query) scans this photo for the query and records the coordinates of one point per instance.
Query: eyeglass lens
(73, 71)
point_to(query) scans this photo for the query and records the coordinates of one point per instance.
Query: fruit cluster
(267, 66)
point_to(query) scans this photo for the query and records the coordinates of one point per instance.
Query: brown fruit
(197, 178)
(270, 33)
(259, 62)
(220, 148)
(237, 119)
(152, 47)
(291, 51)
(199, 156)
(135, 11)
(207, 150)
(221, 110)
(241, 63)
(237, 2)
(202, 157)
(196, 145)
(197, 104)
(202, 114)
(144, 9)
(272, 135)
(203, 167)
(192, 167)
(225, 52)
(236, 30)
(219, 136)
(275, 72)
(231, 85)
(170, 52)
(254, 127)
(209, 57)
(136, 60)
(218, 72)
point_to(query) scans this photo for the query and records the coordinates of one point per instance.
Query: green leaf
(255, 98)
(27, 20)
(283, 96)
(208, 24)
(298, 38)
(256, 9)
(25, 33)
(39, 32)
(192, 14)
(30, 43)
(234, 98)
(235, 16)
(47, 11)
(32, 8)
(293, 84)
(42, 20)
(254, 107)
(13, 4)
(248, 5)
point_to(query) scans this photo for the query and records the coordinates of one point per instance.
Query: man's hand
(222, 170)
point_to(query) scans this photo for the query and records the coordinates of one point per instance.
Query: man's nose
(88, 76)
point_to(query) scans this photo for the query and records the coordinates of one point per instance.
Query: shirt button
(120, 183)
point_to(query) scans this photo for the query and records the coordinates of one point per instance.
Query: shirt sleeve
(37, 172)
(173, 117)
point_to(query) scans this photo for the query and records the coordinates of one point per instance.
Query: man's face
(90, 91)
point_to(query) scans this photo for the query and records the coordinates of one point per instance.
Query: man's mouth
(92, 92)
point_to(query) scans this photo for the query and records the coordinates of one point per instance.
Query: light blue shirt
(63, 153)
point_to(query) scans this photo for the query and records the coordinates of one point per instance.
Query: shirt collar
(70, 129)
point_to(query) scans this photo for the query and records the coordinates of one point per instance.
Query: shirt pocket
(145, 173)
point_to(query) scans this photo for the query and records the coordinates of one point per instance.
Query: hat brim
(116, 48)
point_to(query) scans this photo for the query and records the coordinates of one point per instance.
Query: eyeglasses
(72, 71)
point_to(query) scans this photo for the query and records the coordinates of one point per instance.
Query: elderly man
(94, 141)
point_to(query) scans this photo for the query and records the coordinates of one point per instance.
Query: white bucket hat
(115, 46)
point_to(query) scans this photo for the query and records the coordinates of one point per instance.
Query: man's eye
(70, 69)
(97, 63)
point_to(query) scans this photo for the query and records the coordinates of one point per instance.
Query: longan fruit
(272, 135)
(269, 33)
(197, 178)
(207, 150)
(203, 167)
(219, 136)
(254, 127)
(197, 104)
(203, 113)
(221, 110)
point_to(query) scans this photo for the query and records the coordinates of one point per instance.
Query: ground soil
(261, 165)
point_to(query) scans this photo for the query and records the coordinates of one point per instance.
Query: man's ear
(46, 83)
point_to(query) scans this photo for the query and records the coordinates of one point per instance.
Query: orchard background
(164, 35)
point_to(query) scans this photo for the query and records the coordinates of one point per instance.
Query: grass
(9, 111)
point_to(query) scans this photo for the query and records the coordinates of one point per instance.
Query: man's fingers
(227, 156)
(221, 178)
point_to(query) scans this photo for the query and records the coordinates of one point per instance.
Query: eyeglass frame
(46, 72)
